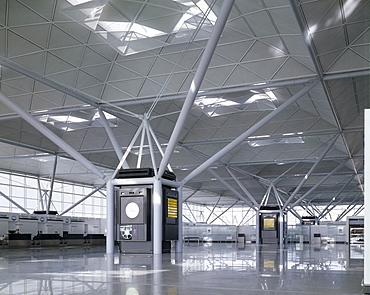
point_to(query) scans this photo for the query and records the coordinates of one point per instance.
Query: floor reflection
(201, 269)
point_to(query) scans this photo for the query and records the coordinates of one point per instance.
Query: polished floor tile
(206, 269)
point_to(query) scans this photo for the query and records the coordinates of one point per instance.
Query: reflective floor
(215, 269)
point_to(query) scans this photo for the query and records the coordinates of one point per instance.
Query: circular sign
(42, 219)
(132, 210)
(13, 217)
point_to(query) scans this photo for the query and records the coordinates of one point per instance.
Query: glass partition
(210, 233)
(298, 233)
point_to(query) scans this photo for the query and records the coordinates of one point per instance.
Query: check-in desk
(95, 239)
(46, 240)
(17, 240)
(73, 239)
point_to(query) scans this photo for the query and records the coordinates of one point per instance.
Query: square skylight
(77, 120)
(175, 22)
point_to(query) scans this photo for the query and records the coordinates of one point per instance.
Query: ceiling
(135, 60)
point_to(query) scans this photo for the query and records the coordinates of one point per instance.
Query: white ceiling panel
(349, 60)
(59, 62)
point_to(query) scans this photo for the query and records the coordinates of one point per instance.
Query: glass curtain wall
(24, 190)
(196, 213)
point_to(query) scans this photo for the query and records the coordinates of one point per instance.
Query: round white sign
(132, 210)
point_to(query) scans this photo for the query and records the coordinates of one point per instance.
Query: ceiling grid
(58, 64)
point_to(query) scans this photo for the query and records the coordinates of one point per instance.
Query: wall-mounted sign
(42, 219)
(14, 218)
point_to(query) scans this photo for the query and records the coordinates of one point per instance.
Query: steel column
(266, 197)
(294, 212)
(41, 194)
(178, 243)
(197, 81)
(158, 144)
(258, 236)
(244, 189)
(111, 136)
(150, 143)
(128, 150)
(110, 218)
(140, 155)
(281, 229)
(157, 216)
(52, 184)
(277, 196)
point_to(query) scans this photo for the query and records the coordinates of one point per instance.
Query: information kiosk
(272, 225)
(135, 213)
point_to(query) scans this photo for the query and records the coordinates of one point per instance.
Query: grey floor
(201, 269)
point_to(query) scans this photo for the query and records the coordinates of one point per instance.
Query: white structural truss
(237, 98)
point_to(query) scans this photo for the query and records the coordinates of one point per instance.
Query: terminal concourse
(184, 147)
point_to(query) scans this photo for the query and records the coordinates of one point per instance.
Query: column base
(366, 289)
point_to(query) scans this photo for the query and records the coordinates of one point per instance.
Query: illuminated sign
(269, 223)
(171, 208)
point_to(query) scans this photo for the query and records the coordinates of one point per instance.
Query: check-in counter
(46, 240)
(50, 240)
(73, 239)
(95, 239)
(17, 240)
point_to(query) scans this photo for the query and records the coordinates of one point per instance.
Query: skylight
(77, 120)
(215, 106)
(59, 118)
(232, 103)
(136, 33)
